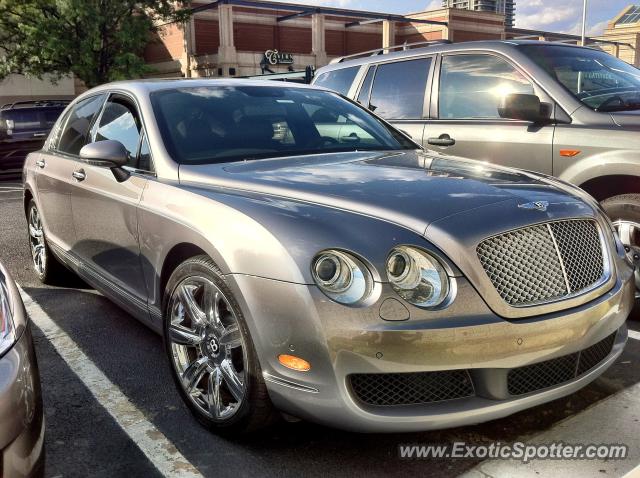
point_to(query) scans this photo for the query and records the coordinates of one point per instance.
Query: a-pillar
(318, 39)
(388, 34)
(227, 54)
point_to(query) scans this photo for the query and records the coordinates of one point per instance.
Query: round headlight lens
(341, 276)
(417, 277)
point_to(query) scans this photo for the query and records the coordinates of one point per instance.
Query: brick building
(244, 37)
(624, 29)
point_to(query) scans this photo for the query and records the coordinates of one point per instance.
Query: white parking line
(634, 335)
(157, 448)
(635, 473)
(614, 420)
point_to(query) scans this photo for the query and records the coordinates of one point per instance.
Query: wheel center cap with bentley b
(212, 346)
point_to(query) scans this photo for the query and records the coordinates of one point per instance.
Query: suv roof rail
(35, 103)
(382, 51)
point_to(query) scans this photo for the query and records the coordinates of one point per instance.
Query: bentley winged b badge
(536, 205)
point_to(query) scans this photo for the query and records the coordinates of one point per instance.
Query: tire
(625, 210)
(46, 266)
(218, 342)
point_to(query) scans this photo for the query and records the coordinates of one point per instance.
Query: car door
(395, 90)
(466, 94)
(55, 166)
(105, 210)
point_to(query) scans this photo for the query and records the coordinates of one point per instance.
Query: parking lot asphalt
(85, 437)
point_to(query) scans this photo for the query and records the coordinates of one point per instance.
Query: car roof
(436, 47)
(146, 86)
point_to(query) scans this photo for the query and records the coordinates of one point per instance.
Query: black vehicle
(23, 128)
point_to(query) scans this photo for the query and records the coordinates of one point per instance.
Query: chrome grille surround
(546, 262)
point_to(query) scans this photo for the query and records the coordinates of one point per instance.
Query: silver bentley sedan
(300, 256)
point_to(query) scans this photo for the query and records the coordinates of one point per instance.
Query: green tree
(96, 40)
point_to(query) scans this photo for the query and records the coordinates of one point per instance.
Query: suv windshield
(599, 80)
(216, 124)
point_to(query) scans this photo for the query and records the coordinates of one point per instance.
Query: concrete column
(189, 48)
(616, 50)
(227, 55)
(318, 39)
(388, 33)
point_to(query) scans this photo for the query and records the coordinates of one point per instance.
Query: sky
(563, 16)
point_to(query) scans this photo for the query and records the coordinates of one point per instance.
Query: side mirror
(523, 107)
(109, 153)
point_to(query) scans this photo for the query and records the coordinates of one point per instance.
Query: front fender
(256, 235)
(605, 163)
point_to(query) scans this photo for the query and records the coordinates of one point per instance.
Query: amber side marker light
(569, 153)
(294, 363)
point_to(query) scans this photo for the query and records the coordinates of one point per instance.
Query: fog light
(294, 363)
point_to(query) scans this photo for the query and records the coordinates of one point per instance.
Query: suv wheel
(46, 266)
(624, 212)
(213, 360)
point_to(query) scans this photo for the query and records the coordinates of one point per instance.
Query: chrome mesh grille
(411, 388)
(550, 373)
(581, 252)
(545, 262)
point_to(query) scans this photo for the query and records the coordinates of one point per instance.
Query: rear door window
(338, 80)
(19, 121)
(399, 89)
(75, 130)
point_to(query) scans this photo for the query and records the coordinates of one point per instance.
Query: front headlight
(342, 277)
(7, 337)
(417, 277)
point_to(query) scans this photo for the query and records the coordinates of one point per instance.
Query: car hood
(409, 188)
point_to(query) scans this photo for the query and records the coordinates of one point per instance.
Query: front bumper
(21, 412)
(338, 341)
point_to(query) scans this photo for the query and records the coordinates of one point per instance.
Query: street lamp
(584, 21)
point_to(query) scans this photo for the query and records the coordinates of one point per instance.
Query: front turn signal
(569, 153)
(294, 363)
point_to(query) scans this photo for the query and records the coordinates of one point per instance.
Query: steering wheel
(611, 101)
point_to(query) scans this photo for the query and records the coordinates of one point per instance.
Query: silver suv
(561, 110)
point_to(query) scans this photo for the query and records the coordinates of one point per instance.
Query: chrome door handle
(79, 175)
(40, 163)
(442, 140)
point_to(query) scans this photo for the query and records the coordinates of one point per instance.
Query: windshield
(216, 124)
(599, 80)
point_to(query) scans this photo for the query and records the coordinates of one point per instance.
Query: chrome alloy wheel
(629, 233)
(36, 241)
(207, 348)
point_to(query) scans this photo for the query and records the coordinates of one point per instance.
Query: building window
(399, 89)
(472, 86)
